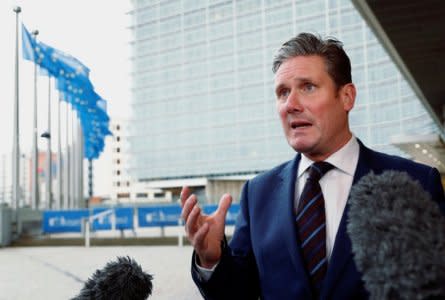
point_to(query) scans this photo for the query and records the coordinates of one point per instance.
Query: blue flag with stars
(28, 45)
(75, 87)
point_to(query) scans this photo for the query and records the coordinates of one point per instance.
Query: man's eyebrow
(303, 79)
(295, 79)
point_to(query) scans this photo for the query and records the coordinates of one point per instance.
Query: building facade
(125, 188)
(203, 101)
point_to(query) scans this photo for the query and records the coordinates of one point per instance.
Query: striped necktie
(311, 223)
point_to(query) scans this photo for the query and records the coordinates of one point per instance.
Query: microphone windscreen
(398, 237)
(121, 279)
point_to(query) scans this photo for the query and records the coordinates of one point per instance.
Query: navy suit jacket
(263, 259)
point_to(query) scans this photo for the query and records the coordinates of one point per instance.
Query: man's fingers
(187, 207)
(223, 207)
(191, 224)
(200, 237)
(185, 193)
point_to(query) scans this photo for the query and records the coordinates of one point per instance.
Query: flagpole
(3, 179)
(59, 159)
(90, 181)
(16, 147)
(73, 161)
(81, 156)
(67, 160)
(49, 177)
(77, 167)
(35, 179)
(79, 164)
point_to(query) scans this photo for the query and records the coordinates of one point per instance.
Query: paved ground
(58, 272)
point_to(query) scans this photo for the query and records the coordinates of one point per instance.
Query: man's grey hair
(331, 50)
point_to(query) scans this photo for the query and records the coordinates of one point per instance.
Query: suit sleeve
(236, 276)
(435, 189)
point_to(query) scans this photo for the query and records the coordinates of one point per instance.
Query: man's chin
(301, 147)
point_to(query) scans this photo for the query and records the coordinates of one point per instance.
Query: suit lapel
(342, 251)
(285, 197)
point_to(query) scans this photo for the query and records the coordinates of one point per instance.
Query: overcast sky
(93, 31)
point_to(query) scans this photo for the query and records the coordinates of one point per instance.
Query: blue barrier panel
(209, 208)
(124, 218)
(166, 215)
(56, 221)
(231, 216)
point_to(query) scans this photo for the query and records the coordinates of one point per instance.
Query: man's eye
(283, 93)
(308, 87)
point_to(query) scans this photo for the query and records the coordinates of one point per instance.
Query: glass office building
(202, 91)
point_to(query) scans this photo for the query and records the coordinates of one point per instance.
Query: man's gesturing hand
(205, 232)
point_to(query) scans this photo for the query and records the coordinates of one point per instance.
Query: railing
(86, 222)
(123, 218)
(180, 232)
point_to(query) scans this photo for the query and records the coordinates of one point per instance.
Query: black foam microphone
(398, 237)
(121, 279)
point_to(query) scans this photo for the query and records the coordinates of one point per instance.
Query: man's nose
(293, 102)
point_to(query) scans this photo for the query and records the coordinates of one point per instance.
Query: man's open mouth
(300, 124)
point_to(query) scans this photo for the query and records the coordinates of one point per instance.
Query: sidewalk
(58, 272)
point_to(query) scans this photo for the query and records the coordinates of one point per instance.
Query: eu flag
(56, 62)
(28, 45)
(72, 80)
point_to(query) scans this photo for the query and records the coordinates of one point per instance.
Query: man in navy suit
(264, 259)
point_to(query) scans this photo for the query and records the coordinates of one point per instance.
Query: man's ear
(347, 96)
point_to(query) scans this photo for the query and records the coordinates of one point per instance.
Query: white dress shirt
(335, 186)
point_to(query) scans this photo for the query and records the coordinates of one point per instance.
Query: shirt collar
(345, 159)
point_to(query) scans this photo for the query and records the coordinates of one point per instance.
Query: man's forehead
(303, 61)
(300, 68)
